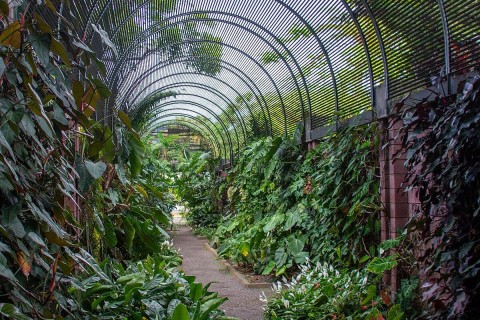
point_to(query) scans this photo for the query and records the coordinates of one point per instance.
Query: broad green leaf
(121, 174)
(59, 50)
(37, 239)
(196, 291)
(125, 119)
(82, 46)
(44, 27)
(110, 236)
(280, 271)
(95, 148)
(12, 312)
(84, 178)
(137, 153)
(78, 90)
(280, 257)
(380, 265)
(105, 38)
(295, 244)
(274, 221)
(96, 169)
(269, 268)
(4, 143)
(292, 218)
(10, 219)
(40, 213)
(4, 9)
(41, 44)
(12, 36)
(88, 260)
(301, 257)
(210, 305)
(36, 105)
(101, 88)
(180, 313)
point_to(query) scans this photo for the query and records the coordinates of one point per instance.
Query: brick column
(312, 145)
(396, 203)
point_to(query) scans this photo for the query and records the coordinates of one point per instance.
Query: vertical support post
(446, 40)
(395, 201)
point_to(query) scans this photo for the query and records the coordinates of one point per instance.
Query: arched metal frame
(382, 74)
(193, 73)
(182, 111)
(144, 35)
(213, 114)
(213, 142)
(221, 146)
(250, 84)
(168, 87)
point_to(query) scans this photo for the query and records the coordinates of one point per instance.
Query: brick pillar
(312, 145)
(395, 201)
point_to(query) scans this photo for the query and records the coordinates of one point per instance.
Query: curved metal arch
(267, 117)
(365, 49)
(277, 89)
(324, 51)
(227, 133)
(198, 73)
(171, 103)
(213, 142)
(279, 41)
(195, 85)
(211, 90)
(383, 52)
(161, 116)
(158, 67)
(222, 153)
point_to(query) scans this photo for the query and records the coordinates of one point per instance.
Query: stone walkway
(243, 302)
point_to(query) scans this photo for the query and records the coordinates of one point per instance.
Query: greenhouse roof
(240, 69)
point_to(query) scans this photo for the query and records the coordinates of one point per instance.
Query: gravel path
(243, 302)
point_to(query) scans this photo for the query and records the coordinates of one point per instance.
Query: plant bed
(248, 279)
(251, 276)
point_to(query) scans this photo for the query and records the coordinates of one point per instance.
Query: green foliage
(198, 187)
(441, 144)
(286, 207)
(134, 211)
(323, 292)
(146, 289)
(65, 190)
(42, 113)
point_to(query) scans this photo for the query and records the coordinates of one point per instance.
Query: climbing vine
(441, 143)
(74, 192)
(288, 206)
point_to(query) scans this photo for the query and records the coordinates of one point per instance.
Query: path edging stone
(238, 275)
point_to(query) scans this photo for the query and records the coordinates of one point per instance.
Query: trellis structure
(248, 68)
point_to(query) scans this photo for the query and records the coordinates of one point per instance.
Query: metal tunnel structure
(242, 69)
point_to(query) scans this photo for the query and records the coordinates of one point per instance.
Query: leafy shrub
(40, 108)
(323, 292)
(199, 188)
(441, 145)
(144, 289)
(286, 207)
